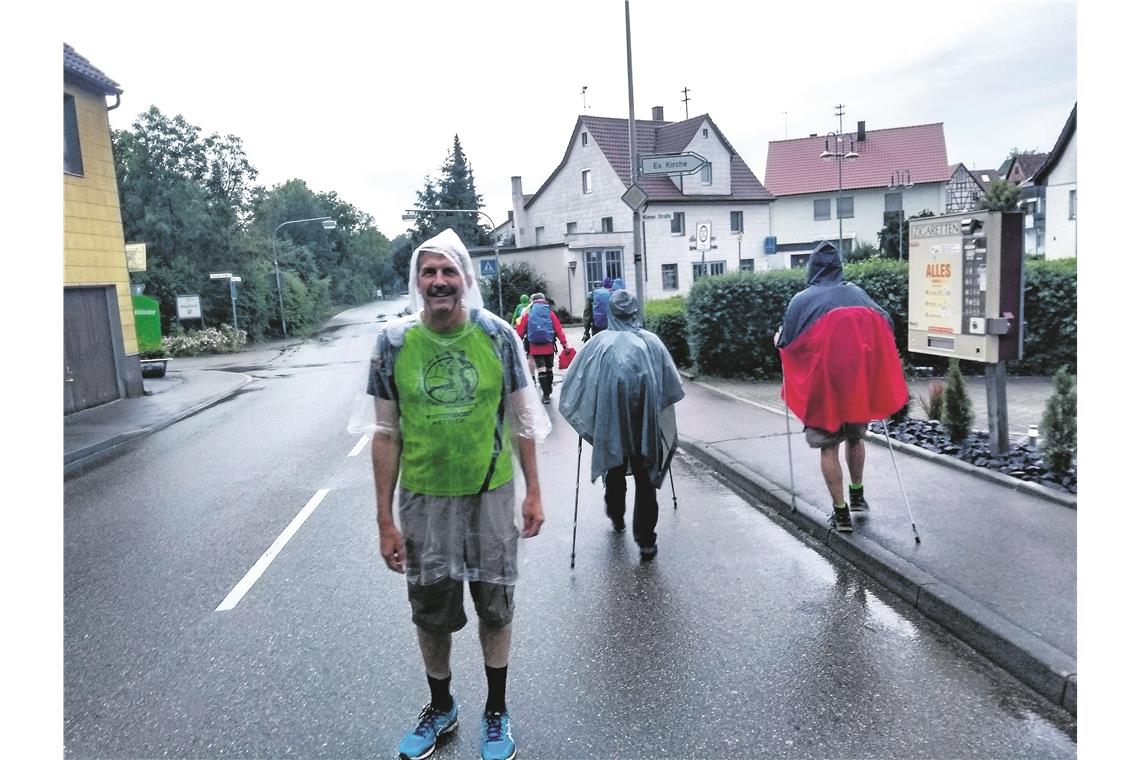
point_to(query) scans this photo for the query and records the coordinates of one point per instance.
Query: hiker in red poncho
(841, 370)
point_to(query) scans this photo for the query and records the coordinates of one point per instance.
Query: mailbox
(966, 286)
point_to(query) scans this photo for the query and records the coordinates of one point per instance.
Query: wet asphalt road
(739, 640)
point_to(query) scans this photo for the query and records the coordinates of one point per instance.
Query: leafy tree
(889, 236)
(518, 279)
(957, 411)
(1060, 423)
(1002, 196)
(1015, 152)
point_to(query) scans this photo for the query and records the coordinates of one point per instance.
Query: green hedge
(731, 318)
(666, 318)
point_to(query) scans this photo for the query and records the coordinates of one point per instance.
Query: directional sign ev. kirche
(671, 163)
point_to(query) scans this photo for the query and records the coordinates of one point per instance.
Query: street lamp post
(410, 214)
(840, 156)
(328, 223)
(900, 178)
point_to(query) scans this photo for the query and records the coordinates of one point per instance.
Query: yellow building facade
(101, 348)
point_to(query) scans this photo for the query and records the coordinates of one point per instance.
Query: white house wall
(794, 215)
(1060, 230)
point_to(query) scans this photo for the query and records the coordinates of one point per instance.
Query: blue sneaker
(430, 726)
(498, 744)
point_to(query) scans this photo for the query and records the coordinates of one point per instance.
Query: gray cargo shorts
(449, 540)
(825, 439)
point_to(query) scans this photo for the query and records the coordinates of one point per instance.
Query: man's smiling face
(440, 284)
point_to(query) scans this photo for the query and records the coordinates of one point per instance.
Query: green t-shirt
(449, 388)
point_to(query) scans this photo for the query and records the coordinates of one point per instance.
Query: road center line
(259, 567)
(359, 445)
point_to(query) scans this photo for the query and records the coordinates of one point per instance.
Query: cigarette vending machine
(966, 286)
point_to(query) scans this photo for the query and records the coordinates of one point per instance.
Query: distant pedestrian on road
(450, 386)
(618, 394)
(841, 370)
(542, 328)
(596, 311)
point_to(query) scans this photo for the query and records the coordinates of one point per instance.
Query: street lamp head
(827, 154)
(408, 217)
(851, 154)
(329, 224)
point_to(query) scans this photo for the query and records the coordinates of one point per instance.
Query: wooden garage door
(89, 376)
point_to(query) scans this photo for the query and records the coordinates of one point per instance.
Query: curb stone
(1040, 666)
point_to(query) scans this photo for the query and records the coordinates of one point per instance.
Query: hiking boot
(430, 726)
(841, 519)
(498, 744)
(648, 553)
(858, 503)
(546, 398)
(618, 522)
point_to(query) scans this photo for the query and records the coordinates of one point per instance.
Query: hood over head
(825, 265)
(448, 244)
(607, 283)
(524, 299)
(619, 283)
(623, 311)
(538, 297)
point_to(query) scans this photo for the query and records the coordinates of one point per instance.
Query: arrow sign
(671, 163)
(221, 275)
(488, 267)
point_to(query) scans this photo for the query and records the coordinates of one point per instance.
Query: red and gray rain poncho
(838, 350)
(619, 392)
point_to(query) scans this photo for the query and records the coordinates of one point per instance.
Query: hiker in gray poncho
(618, 394)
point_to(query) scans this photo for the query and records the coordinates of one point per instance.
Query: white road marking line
(259, 567)
(359, 447)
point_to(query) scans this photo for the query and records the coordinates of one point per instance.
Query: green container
(148, 323)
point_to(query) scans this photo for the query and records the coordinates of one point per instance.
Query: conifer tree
(454, 188)
(1060, 423)
(957, 411)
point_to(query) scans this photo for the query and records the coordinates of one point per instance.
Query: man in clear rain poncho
(618, 394)
(452, 401)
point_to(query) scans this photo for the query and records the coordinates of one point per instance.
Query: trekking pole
(671, 484)
(577, 481)
(788, 425)
(887, 432)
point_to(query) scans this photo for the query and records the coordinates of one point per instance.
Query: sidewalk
(997, 562)
(996, 565)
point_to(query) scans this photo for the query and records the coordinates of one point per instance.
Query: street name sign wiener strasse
(671, 163)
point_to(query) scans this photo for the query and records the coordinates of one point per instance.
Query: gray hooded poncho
(619, 391)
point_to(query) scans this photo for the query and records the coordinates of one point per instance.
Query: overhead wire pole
(638, 275)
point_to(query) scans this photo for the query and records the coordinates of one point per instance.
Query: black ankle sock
(496, 689)
(440, 692)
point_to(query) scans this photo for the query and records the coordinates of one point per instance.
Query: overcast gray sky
(364, 99)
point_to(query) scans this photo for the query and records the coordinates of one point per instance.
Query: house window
(708, 269)
(748, 265)
(705, 132)
(706, 174)
(607, 224)
(1072, 204)
(72, 156)
(892, 202)
(669, 277)
(538, 235)
(600, 264)
(736, 221)
(677, 224)
(822, 209)
(845, 208)
(585, 139)
(571, 228)
(587, 182)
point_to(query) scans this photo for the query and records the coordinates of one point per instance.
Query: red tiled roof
(794, 166)
(78, 66)
(612, 138)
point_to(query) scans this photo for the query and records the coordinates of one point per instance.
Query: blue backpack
(539, 326)
(601, 308)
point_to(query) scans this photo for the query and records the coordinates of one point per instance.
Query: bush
(934, 402)
(1060, 423)
(957, 411)
(1050, 318)
(666, 318)
(212, 340)
(518, 280)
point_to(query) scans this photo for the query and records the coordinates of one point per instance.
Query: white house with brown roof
(576, 230)
(1057, 176)
(899, 169)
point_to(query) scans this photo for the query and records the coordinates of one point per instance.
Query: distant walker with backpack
(539, 327)
(601, 302)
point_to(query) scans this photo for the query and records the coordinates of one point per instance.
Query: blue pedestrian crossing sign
(488, 267)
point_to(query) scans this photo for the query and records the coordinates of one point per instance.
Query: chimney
(516, 187)
(813, 134)
(659, 113)
(510, 215)
(862, 131)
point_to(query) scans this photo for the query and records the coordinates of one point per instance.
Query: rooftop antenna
(685, 100)
(839, 112)
(584, 106)
(785, 125)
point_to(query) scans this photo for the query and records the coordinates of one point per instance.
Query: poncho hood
(448, 244)
(825, 265)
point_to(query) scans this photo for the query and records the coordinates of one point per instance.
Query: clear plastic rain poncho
(457, 386)
(619, 391)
